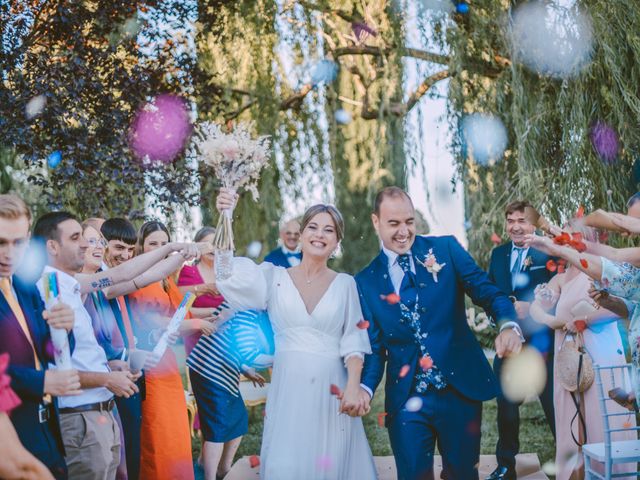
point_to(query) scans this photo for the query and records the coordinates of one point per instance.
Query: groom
(413, 294)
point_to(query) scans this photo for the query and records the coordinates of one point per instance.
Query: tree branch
(377, 51)
(295, 100)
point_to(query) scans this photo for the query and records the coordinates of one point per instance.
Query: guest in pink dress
(200, 279)
(15, 460)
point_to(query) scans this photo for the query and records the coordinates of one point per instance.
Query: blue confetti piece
(54, 159)
(462, 8)
(619, 352)
(325, 71)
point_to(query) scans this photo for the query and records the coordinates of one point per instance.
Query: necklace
(308, 280)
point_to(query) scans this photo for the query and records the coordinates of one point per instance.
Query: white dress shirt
(514, 257)
(88, 355)
(395, 270)
(293, 261)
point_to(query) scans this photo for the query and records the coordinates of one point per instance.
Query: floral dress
(623, 280)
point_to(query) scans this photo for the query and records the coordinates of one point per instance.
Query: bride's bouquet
(237, 158)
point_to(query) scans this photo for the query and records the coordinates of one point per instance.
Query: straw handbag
(574, 366)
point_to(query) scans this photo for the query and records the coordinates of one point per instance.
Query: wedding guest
(215, 365)
(121, 237)
(166, 439)
(288, 254)
(89, 430)
(24, 334)
(200, 279)
(517, 270)
(15, 461)
(567, 292)
(633, 205)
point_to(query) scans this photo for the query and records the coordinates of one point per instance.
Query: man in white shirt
(90, 433)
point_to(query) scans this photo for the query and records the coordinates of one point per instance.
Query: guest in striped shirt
(241, 344)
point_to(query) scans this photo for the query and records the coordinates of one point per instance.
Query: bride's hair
(333, 212)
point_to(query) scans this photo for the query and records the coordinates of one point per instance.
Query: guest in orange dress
(165, 438)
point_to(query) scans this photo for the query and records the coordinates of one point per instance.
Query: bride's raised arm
(248, 287)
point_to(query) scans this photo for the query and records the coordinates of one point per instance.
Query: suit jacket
(278, 258)
(536, 273)
(450, 342)
(28, 382)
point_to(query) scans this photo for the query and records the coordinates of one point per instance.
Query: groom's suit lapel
(427, 287)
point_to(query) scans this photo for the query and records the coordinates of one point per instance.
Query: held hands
(508, 343)
(59, 383)
(355, 402)
(226, 199)
(122, 384)
(60, 316)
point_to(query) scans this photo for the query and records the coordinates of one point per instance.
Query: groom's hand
(508, 343)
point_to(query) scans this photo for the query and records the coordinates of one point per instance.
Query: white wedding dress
(304, 436)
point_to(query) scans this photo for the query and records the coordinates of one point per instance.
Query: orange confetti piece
(580, 212)
(335, 390)
(404, 370)
(495, 238)
(584, 263)
(363, 324)
(254, 461)
(581, 325)
(627, 424)
(391, 299)
(381, 416)
(426, 363)
(552, 266)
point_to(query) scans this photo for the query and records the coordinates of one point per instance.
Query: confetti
(584, 263)
(361, 30)
(604, 140)
(552, 39)
(160, 129)
(35, 106)
(335, 390)
(462, 8)
(495, 239)
(325, 71)
(381, 416)
(426, 363)
(552, 266)
(521, 280)
(324, 463)
(484, 138)
(627, 424)
(342, 117)
(580, 325)
(363, 324)
(54, 159)
(580, 212)
(254, 461)
(254, 249)
(523, 375)
(404, 370)
(391, 299)
(414, 404)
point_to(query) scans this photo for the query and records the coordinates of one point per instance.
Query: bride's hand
(350, 401)
(226, 199)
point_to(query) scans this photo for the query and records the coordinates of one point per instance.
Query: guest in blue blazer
(437, 375)
(24, 334)
(517, 270)
(288, 254)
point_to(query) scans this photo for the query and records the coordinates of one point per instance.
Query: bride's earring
(337, 253)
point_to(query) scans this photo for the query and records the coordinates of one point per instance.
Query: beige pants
(92, 445)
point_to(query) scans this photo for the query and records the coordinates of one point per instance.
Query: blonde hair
(13, 207)
(333, 212)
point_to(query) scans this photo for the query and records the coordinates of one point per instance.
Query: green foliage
(550, 159)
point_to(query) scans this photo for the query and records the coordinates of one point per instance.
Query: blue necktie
(408, 290)
(517, 266)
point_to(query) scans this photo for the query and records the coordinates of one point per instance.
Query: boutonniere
(527, 262)
(431, 264)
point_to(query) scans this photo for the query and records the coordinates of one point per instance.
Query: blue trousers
(446, 419)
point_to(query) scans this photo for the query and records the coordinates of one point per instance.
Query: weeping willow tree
(551, 159)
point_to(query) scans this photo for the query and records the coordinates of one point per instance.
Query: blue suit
(43, 440)
(450, 416)
(278, 258)
(539, 336)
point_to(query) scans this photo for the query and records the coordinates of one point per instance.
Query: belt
(91, 407)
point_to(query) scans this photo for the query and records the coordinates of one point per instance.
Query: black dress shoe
(502, 473)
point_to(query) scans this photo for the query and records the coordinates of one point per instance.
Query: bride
(309, 433)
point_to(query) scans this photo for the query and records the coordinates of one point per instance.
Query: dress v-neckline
(310, 314)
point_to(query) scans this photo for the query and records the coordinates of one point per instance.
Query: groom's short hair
(517, 206)
(388, 192)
